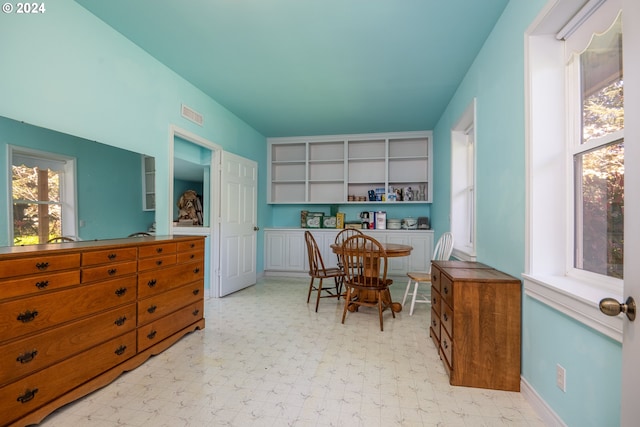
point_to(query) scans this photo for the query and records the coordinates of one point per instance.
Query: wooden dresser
(74, 316)
(475, 324)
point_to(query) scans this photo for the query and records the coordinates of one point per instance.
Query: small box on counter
(340, 216)
(328, 222)
(314, 219)
(380, 220)
(353, 224)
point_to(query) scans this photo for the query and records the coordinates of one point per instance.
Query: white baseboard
(544, 411)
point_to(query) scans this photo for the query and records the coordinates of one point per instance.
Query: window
(575, 161)
(43, 196)
(463, 178)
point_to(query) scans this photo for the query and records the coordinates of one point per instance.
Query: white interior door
(238, 223)
(631, 341)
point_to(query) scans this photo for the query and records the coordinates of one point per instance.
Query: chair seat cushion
(420, 276)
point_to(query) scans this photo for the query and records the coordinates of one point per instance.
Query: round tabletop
(392, 249)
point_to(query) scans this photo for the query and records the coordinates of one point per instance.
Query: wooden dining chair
(365, 276)
(60, 239)
(317, 270)
(422, 279)
(342, 237)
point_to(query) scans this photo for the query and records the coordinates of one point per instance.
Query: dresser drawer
(109, 256)
(158, 306)
(447, 318)
(20, 358)
(109, 271)
(38, 264)
(446, 346)
(446, 289)
(154, 282)
(160, 329)
(156, 262)
(190, 256)
(33, 314)
(21, 397)
(435, 324)
(155, 250)
(191, 245)
(38, 283)
(436, 300)
(435, 278)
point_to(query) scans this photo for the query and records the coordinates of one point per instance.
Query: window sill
(463, 255)
(577, 299)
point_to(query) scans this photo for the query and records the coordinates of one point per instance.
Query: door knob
(256, 228)
(612, 307)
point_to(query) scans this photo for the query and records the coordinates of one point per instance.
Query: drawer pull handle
(193, 245)
(192, 256)
(27, 316)
(152, 309)
(446, 290)
(152, 335)
(112, 271)
(159, 250)
(196, 312)
(196, 291)
(445, 344)
(151, 283)
(42, 265)
(120, 350)
(27, 357)
(434, 278)
(196, 270)
(445, 317)
(121, 291)
(112, 256)
(120, 320)
(159, 262)
(433, 301)
(27, 396)
(42, 285)
(433, 323)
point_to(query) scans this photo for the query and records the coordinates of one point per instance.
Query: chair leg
(310, 289)
(380, 309)
(346, 304)
(319, 293)
(406, 292)
(413, 300)
(390, 302)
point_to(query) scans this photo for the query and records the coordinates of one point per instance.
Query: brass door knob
(611, 307)
(256, 228)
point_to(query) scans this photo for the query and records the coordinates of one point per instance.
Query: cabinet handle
(42, 285)
(112, 271)
(151, 283)
(159, 250)
(27, 357)
(196, 270)
(42, 265)
(27, 396)
(196, 291)
(121, 291)
(152, 335)
(152, 309)
(196, 312)
(27, 316)
(120, 320)
(120, 350)
(112, 256)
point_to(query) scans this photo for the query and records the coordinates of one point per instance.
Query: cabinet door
(420, 259)
(324, 239)
(398, 266)
(285, 251)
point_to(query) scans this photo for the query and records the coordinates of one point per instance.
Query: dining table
(392, 250)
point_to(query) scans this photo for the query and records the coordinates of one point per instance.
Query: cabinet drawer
(158, 306)
(38, 264)
(190, 256)
(39, 283)
(447, 318)
(19, 358)
(446, 289)
(108, 256)
(446, 346)
(26, 395)
(160, 329)
(191, 245)
(436, 300)
(109, 271)
(161, 280)
(33, 314)
(435, 324)
(156, 262)
(155, 250)
(435, 278)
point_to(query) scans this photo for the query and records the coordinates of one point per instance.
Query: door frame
(212, 232)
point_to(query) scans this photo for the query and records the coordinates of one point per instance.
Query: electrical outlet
(561, 378)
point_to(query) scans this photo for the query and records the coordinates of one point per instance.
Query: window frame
(68, 195)
(551, 126)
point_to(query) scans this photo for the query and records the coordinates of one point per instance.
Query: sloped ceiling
(312, 67)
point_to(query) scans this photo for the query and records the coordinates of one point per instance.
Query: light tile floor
(266, 358)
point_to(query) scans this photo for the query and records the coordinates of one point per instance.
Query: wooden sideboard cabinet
(475, 324)
(74, 316)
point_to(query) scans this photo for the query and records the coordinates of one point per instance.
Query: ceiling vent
(190, 114)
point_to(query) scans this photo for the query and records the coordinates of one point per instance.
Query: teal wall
(68, 71)
(109, 199)
(496, 79)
